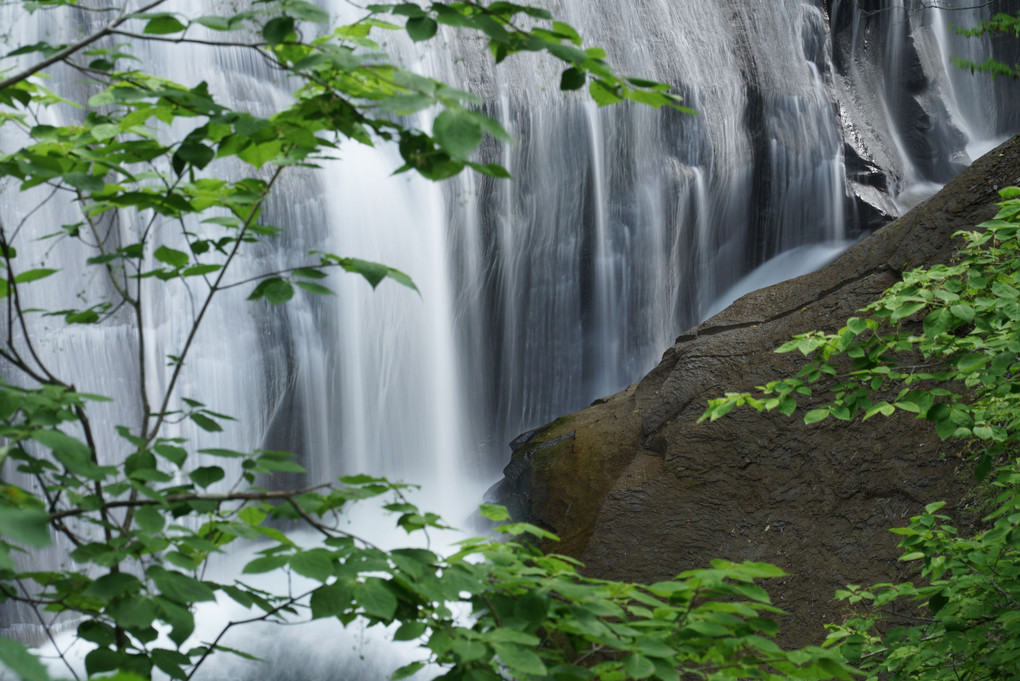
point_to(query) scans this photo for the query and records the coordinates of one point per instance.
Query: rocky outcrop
(639, 491)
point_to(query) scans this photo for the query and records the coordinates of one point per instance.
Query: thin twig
(76, 47)
(255, 211)
(179, 498)
(261, 618)
(49, 634)
(190, 41)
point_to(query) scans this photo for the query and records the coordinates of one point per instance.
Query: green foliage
(1001, 24)
(942, 345)
(969, 600)
(154, 156)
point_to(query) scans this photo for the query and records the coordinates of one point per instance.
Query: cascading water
(624, 225)
(817, 121)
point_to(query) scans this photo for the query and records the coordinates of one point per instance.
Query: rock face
(639, 491)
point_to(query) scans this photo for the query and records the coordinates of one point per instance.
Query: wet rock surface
(639, 491)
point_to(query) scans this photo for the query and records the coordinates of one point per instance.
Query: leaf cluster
(1001, 24)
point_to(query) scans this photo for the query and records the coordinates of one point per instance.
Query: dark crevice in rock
(703, 330)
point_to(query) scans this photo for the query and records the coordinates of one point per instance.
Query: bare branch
(189, 41)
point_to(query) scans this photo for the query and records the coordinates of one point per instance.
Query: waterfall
(623, 226)
(818, 120)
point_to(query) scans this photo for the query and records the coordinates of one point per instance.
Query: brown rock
(639, 491)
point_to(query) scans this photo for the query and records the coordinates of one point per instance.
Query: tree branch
(285, 495)
(76, 47)
(255, 210)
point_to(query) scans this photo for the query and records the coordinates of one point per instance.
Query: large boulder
(638, 490)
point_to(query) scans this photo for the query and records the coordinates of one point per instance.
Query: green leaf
(373, 272)
(266, 463)
(134, 612)
(815, 415)
(835, 669)
(405, 105)
(638, 666)
(105, 131)
(25, 525)
(907, 310)
(568, 31)
(573, 79)
(312, 287)
(200, 270)
(195, 153)
(532, 607)
(205, 423)
(655, 648)
(315, 564)
(213, 22)
(22, 663)
(604, 94)
(407, 670)
(278, 30)
(163, 24)
(275, 290)
(171, 662)
(174, 258)
(71, 453)
(149, 519)
(172, 453)
(113, 585)
(97, 632)
(938, 321)
(983, 467)
(883, 408)
(938, 601)
(310, 273)
(260, 154)
(104, 660)
(307, 11)
(458, 132)
(494, 512)
(984, 432)
(266, 564)
(401, 278)
(971, 362)
(787, 405)
(490, 169)
(85, 182)
(375, 599)
(964, 312)
(332, 600)
(179, 587)
(421, 28)
(520, 659)
(33, 275)
(1004, 290)
(206, 475)
(409, 631)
